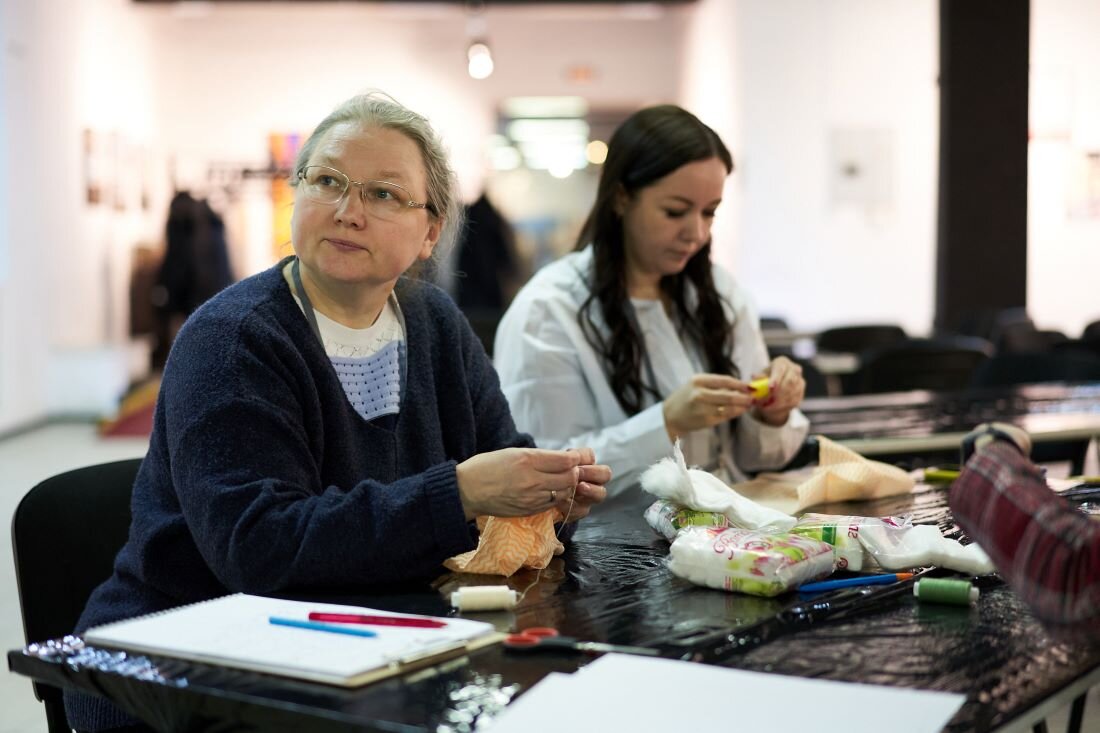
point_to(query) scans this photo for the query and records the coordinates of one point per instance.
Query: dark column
(982, 238)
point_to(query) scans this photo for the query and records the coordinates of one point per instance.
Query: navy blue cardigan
(261, 476)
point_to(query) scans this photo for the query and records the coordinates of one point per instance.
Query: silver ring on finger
(553, 496)
(721, 410)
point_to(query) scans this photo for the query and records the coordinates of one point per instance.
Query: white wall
(196, 87)
(5, 237)
(801, 69)
(23, 340)
(710, 88)
(1063, 246)
(12, 330)
(227, 94)
(774, 77)
(68, 66)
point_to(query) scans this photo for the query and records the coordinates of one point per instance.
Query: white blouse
(559, 392)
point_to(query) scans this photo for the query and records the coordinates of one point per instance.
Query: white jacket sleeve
(762, 447)
(757, 445)
(558, 393)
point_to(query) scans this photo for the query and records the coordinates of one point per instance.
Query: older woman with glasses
(330, 422)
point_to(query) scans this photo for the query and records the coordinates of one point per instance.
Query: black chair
(774, 323)
(1005, 370)
(1081, 345)
(1021, 337)
(65, 534)
(939, 364)
(1013, 331)
(816, 384)
(857, 339)
(1091, 332)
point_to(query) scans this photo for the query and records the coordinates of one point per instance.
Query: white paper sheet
(619, 692)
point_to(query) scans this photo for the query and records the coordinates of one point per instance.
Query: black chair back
(1060, 365)
(816, 384)
(65, 534)
(1005, 370)
(857, 339)
(939, 364)
(1088, 346)
(1020, 338)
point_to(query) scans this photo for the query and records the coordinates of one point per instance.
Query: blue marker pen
(852, 582)
(316, 626)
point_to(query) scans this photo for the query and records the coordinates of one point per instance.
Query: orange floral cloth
(510, 543)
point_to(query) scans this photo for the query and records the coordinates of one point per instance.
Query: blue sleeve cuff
(453, 534)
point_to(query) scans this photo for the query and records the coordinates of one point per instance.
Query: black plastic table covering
(920, 428)
(922, 413)
(612, 585)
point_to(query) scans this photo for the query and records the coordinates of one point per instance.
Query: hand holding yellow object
(783, 392)
(761, 388)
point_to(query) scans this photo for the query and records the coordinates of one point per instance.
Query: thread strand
(557, 535)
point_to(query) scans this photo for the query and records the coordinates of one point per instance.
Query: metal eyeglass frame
(349, 183)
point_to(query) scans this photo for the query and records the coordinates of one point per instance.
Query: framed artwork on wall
(283, 148)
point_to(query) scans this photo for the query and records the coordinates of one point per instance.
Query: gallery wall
(68, 67)
(830, 108)
(832, 121)
(805, 88)
(186, 87)
(1064, 165)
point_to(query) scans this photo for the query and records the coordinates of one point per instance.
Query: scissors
(544, 638)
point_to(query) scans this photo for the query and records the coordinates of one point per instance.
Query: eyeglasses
(382, 199)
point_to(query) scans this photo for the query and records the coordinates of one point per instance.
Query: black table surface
(921, 413)
(612, 585)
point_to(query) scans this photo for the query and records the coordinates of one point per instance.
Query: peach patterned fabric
(510, 543)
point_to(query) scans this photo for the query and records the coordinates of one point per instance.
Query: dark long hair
(648, 146)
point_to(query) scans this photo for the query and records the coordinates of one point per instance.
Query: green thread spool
(944, 590)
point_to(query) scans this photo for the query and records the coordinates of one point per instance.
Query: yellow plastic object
(760, 388)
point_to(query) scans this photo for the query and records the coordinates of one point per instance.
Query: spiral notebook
(236, 631)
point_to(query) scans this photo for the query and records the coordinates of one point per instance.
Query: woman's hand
(590, 488)
(517, 482)
(786, 390)
(705, 401)
(989, 432)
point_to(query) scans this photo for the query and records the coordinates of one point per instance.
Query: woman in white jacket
(636, 339)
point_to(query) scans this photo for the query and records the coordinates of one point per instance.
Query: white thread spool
(484, 598)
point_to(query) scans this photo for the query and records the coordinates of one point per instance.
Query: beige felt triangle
(841, 475)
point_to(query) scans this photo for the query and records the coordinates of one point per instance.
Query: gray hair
(376, 109)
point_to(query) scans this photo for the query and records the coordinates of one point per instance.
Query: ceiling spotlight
(479, 60)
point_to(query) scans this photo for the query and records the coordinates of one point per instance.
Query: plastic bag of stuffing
(843, 533)
(746, 561)
(667, 518)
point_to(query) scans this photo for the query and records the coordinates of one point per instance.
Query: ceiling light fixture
(479, 59)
